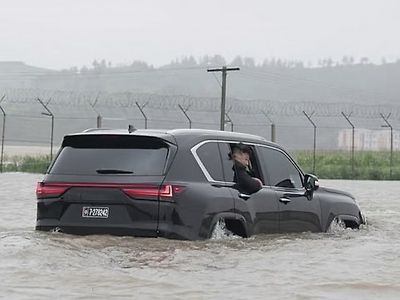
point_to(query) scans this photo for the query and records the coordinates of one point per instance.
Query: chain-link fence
(34, 122)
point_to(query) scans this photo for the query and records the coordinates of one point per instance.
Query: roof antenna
(131, 128)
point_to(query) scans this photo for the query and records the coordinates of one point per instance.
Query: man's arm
(245, 181)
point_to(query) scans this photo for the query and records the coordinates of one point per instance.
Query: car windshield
(101, 155)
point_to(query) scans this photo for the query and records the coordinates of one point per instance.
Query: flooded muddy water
(340, 264)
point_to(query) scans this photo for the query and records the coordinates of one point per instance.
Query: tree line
(98, 66)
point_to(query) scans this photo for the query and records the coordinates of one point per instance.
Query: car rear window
(111, 154)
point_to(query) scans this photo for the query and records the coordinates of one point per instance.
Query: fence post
(273, 133)
(141, 108)
(388, 125)
(49, 114)
(99, 116)
(186, 115)
(273, 128)
(3, 133)
(315, 135)
(229, 120)
(352, 142)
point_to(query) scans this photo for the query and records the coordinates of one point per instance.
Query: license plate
(95, 212)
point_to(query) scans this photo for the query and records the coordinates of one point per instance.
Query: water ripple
(339, 264)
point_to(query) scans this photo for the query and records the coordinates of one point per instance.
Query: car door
(260, 209)
(211, 198)
(298, 210)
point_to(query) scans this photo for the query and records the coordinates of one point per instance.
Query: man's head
(241, 153)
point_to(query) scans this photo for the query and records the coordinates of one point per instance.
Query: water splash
(56, 230)
(220, 232)
(337, 226)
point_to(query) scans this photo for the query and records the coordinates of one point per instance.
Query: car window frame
(202, 165)
(255, 159)
(207, 174)
(266, 172)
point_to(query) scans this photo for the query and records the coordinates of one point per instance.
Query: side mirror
(311, 182)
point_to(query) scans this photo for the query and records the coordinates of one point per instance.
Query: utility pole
(224, 71)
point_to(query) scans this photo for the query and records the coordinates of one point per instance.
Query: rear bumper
(134, 218)
(86, 229)
(179, 232)
(125, 216)
(166, 230)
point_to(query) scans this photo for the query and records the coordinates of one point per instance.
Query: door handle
(244, 196)
(284, 200)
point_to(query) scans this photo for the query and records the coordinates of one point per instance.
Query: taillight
(169, 192)
(44, 190)
(165, 192)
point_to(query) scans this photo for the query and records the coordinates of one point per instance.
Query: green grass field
(28, 164)
(338, 164)
(328, 164)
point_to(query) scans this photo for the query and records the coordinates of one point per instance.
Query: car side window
(227, 164)
(281, 171)
(210, 157)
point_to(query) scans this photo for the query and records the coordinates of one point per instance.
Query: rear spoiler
(115, 141)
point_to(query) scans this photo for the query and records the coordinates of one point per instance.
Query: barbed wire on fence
(74, 111)
(106, 100)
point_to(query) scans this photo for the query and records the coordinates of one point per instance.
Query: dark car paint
(195, 211)
(335, 203)
(192, 215)
(260, 210)
(138, 215)
(302, 213)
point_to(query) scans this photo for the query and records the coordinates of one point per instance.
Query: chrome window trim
(212, 180)
(199, 162)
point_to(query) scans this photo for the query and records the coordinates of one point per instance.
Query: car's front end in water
(339, 205)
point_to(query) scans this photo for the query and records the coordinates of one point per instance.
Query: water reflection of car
(179, 184)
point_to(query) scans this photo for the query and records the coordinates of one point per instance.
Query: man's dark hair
(242, 147)
(239, 147)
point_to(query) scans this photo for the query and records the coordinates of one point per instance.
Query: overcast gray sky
(65, 33)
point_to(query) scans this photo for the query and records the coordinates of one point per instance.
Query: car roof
(172, 135)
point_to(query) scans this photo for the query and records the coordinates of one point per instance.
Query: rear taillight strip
(50, 191)
(143, 191)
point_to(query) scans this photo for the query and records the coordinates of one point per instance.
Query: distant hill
(16, 74)
(274, 80)
(20, 68)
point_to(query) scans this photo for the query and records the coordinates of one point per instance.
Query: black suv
(180, 184)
